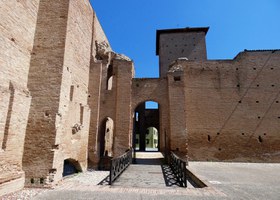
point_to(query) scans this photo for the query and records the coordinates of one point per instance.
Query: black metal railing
(118, 165)
(178, 167)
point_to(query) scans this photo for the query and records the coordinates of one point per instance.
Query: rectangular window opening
(71, 92)
(177, 78)
(81, 114)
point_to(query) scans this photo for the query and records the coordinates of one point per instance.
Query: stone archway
(153, 89)
(146, 124)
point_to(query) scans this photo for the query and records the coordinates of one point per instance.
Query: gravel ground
(24, 194)
(89, 178)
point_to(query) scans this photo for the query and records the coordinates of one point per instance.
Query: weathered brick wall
(232, 108)
(123, 118)
(177, 112)
(44, 83)
(73, 117)
(94, 103)
(153, 89)
(100, 100)
(191, 45)
(17, 28)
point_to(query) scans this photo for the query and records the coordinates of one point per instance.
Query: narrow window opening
(47, 113)
(260, 139)
(137, 116)
(71, 92)
(218, 133)
(41, 180)
(32, 180)
(177, 78)
(81, 114)
(109, 85)
(209, 138)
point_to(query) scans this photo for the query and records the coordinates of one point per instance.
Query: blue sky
(235, 25)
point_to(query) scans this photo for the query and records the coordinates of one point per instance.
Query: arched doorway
(106, 142)
(106, 137)
(146, 127)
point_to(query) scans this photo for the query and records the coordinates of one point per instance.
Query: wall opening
(260, 139)
(106, 139)
(71, 92)
(146, 127)
(81, 114)
(71, 166)
(109, 83)
(209, 138)
(177, 78)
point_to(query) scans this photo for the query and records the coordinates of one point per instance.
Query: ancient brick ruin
(67, 97)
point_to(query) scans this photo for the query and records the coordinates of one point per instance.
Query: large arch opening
(146, 127)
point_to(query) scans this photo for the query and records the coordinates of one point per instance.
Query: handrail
(118, 165)
(178, 167)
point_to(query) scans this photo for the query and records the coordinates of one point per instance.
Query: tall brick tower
(175, 43)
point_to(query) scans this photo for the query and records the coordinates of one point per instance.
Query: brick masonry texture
(64, 92)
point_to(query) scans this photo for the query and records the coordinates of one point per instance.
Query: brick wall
(17, 28)
(73, 117)
(175, 45)
(44, 83)
(177, 112)
(123, 117)
(232, 108)
(153, 89)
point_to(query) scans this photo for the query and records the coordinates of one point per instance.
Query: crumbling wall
(98, 96)
(232, 108)
(17, 28)
(73, 117)
(44, 83)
